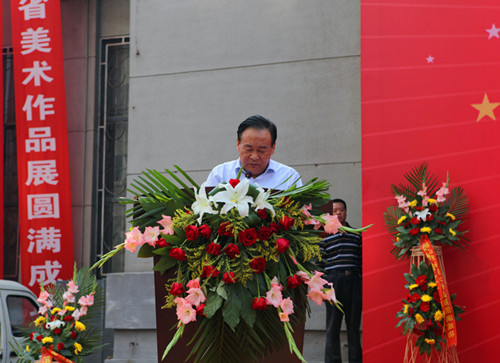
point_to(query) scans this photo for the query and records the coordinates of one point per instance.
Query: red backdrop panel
(424, 64)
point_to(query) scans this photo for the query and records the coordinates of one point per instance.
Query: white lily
(261, 201)
(423, 214)
(203, 204)
(55, 324)
(235, 198)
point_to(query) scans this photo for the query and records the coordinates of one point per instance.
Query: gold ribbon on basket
(450, 326)
(48, 356)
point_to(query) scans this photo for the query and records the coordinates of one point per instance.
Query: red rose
(439, 330)
(415, 220)
(57, 331)
(68, 318)
(274, 227)
(39, 337)
(282, 244)
(192, 233)
(258, 264)
(407, 224)
(247, 236)
(419, 208)
(421, 280)
(264, 233)
(200, 310)
(424, 306)
(414, 298)
(213, 248)
(438, 230)
(60, 346)
(232, 250)
(259, 303)
(205, 231)
(73, 334)
(234, 182)
(428, 325)
(178, 254)
(229, 278)
(162, 243)
(293, 281)
(286, 222)
(436, 297)
(433, 208)
(32, 335)
(209, 271)
(225, 229)
(414, 231)
(262, 213)
(429, 217)
(442, 223)
(177, 289)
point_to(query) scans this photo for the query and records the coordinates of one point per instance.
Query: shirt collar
(271, 168)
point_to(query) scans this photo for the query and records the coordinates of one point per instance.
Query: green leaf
(165, 263)
(231, 311)
(212, 304)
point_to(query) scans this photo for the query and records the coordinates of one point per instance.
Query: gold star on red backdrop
(486, 108)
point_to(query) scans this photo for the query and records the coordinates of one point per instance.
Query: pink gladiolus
(313, 222)
(87, 300)
(329, 294)
(43, 309)
(72, 287)
(83, 310)
(316, 296)
(194, 284)
(284, 317)
(150, 235)
(273, 296)
(332, 223)
(304, 276)
(402, 202)
(195, 296)
(167, 224)
(133, 240)
(287, 306)
(42, 298)
(316, 282)
(185, 312)
(441, 193)
(305, 210)
(76, 314)
(69, 297)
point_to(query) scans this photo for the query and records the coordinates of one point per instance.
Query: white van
(18, 307)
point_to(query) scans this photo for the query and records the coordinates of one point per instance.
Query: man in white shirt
(256, 143)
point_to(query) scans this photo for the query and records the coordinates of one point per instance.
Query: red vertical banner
(45, 224)
(1, 150)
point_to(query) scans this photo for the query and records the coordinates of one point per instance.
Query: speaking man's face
(255, 150)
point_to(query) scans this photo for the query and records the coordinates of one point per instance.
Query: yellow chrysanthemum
(419, 318)
(47, 340)
(400, 220)
(431, 200)
(405, 309)
(79, 326)
(425, 229)
(451, 216)
(69, 308)
(430, 341)
(413, 203)
(55, 311)
(426, 298)
(432, 284)
(40, 320)
(413, 286)
(78, 348)
(453, 233)
(27, 348)
(438, 315)
(398, 239)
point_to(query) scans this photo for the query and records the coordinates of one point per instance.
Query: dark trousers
(348, 290)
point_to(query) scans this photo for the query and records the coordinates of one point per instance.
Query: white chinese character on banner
(40, 140)
(47, 273)
(45, 106)
(43, 206)
(35, 40)
(42, 171)
(37, 73)
(34, 9)
(45, 239)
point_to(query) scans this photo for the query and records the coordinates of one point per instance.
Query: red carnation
(414, 298)
(213, 248)
(429, 217)
(282, 244)
(442, 223)
(433, 208)
(73, 334)
(262, 213)
(234, 182)
(192, 233)
(258, 264)
(414, 231)
(438, 230)
(419, 208)
(39, 337)
(286, 222)
(274, 227)
(229, 278)
(247, 236)
(424, 306)
(177, 289)
(200, 310)
(57, 331)
(178, 254)
(264, 233)
(437, 297)
(421, 280)
(162, 243)
(205, 231)
(259, 303)
(225, 229)
(209, 271)
(293, 281)
(415, 220)
(32, 335)
(60, 346)
(232, 250)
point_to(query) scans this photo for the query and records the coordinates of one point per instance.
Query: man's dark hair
(258, 122)
(338, 200)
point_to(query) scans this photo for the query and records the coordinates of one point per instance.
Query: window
(22, 311)
(111, 150)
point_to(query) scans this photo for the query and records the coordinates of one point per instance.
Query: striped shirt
(342, 251)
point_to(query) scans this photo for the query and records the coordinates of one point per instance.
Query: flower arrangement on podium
(428, 214)
(244, 259)
(63, 332)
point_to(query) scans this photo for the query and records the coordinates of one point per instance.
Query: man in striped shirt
(342, 262)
